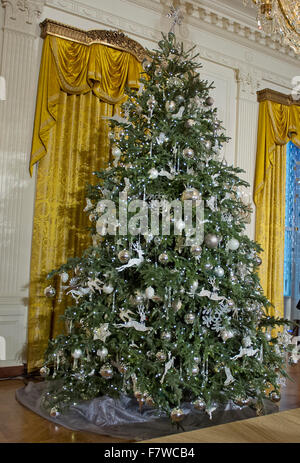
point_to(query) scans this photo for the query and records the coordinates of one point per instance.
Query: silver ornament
(161, 356)
(188, 153)
(116, 152)
(49, 291)
(177, 415)
(106, 372)
(44, 371)
(124, 256)
(191, 194)
(146, 65)
(176, 305)
(163, 258)
(149, 292)
(170, 106)
(209, 101)
(179, 99)
(275, 396)
(107, 289)
(166, 336)
(77, 353)
(189, 318)
(268, 336)
(196, 250)
(219, 271)
(258, 261)
(199, 404)
(233, 244)
(208, 266)
(195, 370)
(211, 241)
(197, 359)
(208, 144)
(102, 353)
(226, 334)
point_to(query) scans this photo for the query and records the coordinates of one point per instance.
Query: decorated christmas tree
(168, 305)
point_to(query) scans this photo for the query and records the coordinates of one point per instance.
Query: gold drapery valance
(279, 123)
(77, 68)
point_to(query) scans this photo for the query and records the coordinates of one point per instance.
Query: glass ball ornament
(258, 261)
(116, 152)
(194, 370)
(102, 353)
(177, 415)
(189, 318)
(163, 258)
(161, 356)
(106, 372)
(149, 292)
(268, 336)
(77, 353)
(170, 106)
(230, 303)
(166, 336)
(209, 101)
(275, 396)
(226, 334)
(44, 371)
(199, 404)
(124, 256)
(191, 194)
(146, 65)
(211, 240)
(176, 305)
(196, 359)
(179, 99)
(233, 244)
(107, 289)
(196, 250)
(219, 271)
(50, 291)
(188, 153)
(208, 266)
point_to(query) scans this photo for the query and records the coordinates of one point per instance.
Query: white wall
(238, 58)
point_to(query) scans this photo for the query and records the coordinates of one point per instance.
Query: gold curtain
(78, 86)
(277, 125)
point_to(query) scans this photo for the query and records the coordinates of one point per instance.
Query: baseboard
(13, 371)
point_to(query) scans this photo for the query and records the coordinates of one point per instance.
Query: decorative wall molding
(115, 39)
(22, 15)
(277, 97)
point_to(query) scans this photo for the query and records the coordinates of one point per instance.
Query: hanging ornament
(190, 123)
(44, 371)
(196, 359)
(226, 334)
(106, 371)
(176, 305)
(196, 250)
(199, 404)
(275, 396)
(179, 99)
(146, 65)
(64, 277)
(268, 336)
(208, 266)
(163, 258)
(195, 370)
(177, 415)
(170, 106)
(233, 244)
(209, 101)
(149, 292)
(166, 336)
(191, 194)
(116, 152)
(258, 261)
(189, 318)
(219, 271)
(124, 256)
(161, 356)
(77, 353)
(107, 289)
(211, 241)
(188, 153)
(208, 144)
(102, 353)
(49, 291)
(230, 303)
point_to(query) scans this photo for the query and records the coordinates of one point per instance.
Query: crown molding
(277, 97)
(114, 39)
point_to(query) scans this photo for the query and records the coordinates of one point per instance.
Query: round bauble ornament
(188, 153)
(189, 318)
(179, 99)
(44, 371)
(116, 152)
(176, 305)
(177, 415)
(153, 173)
(163, 258)
(211, 240)
(234, 279)
(208, 266)
(124, 256)
(146, 65)
(161, 356)
(199, 404)
(191, 194)
(49, 291)
(196, 250)
(219, 271)
(107, 289)
(224, 162)
(190, 123)
(166, 336)
(209, 101)
(149, 292)
(158, 72)
(194, 370)
(233, 244)
(275, 396)
(226, 334)
(102, 353)
(230, 303)
(106, 372)
(170, 106)
(151, 102)
(268, 336)
(54, 413)
(77, 353)
(258, 261)
(196, 359)
(194, 286)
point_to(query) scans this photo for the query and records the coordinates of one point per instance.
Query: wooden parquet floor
(20, 425)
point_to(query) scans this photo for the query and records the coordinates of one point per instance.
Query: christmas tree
(174, 311)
